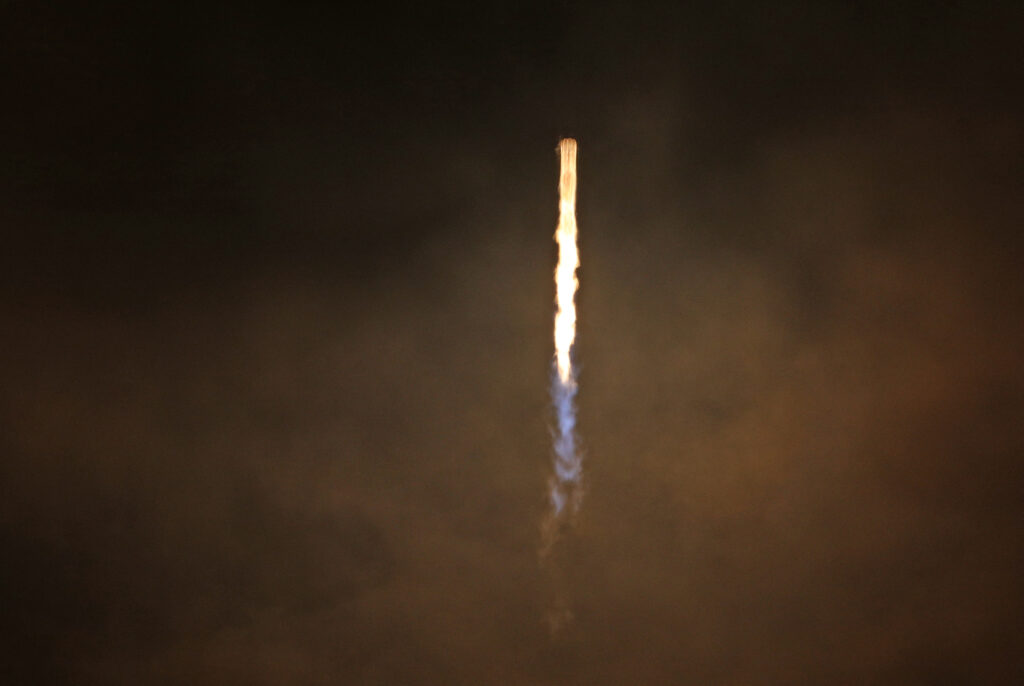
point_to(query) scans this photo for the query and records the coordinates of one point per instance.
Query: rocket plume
(565, 488)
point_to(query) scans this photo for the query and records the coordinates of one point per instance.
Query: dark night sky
(275, 310)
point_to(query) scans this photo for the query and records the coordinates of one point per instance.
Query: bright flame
(565, 484)
(568, 260)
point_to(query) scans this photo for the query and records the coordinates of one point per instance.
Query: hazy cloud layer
(275, 411)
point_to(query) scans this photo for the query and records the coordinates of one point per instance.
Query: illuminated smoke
(566, 491)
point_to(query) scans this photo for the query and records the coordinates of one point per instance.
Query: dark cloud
(277, 304)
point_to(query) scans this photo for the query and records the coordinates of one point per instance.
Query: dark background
(276, 302)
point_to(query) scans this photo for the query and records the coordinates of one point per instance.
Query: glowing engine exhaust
(566, 492)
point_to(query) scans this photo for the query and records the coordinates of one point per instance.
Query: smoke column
(565, 487)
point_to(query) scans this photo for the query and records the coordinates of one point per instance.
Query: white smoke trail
(566, 491)
(565, 485)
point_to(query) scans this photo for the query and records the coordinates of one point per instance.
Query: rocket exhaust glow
(565, 487)
(568, 260)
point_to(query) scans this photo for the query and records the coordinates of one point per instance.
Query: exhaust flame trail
(566, 489)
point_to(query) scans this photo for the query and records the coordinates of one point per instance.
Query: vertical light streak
(568, 260)
(565, 484)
